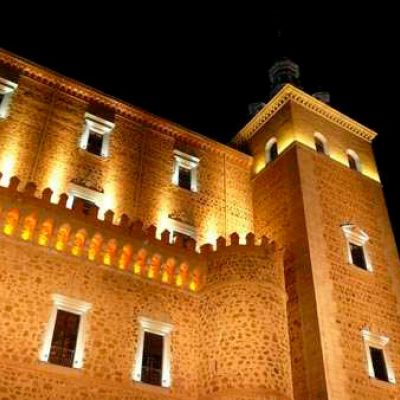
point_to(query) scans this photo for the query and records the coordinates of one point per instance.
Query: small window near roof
(320, 143)
(7, 89)
(185, 171)
(271, 150)
(353, 160)
(96, 135)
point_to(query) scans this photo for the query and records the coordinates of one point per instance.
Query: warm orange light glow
(28, 227)
(110, 252)
(154, 267)
(62, 237)
(137, 268)
(179, 280)
(193, 286)
(94, 246)
(11, 221)
(126, 257)
(45, 232)
(79, 243)
(165, 277)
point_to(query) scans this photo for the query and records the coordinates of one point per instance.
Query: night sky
(201, 68)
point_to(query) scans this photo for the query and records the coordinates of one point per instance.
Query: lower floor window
(152, 364)
(152, 358)
(378, 357)
(64, 337)
(378, 364)
(65, 334)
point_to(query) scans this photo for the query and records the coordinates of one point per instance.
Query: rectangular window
(357, 255)
(63, 343)
(95, 137)
(95, 143)
(378, 364)
(152, 358)
(7, 89)
(185, 171)
(153, 363)
(185, 179)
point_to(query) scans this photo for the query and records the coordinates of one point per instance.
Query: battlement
(126, 246)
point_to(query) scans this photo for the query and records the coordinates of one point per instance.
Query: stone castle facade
(143, 261)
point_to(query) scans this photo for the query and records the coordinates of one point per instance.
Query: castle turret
(243, 323)
(282, 72)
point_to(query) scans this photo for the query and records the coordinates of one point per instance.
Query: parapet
(125, 246)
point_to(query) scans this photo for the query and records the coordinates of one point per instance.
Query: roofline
(291, 93)
(87, 93)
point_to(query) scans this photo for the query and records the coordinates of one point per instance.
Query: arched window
(271, 150)
(320, 143)
(354, 160)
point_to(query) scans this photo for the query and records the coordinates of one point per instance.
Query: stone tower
(320, 197)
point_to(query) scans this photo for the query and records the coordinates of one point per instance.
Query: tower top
(282, 72)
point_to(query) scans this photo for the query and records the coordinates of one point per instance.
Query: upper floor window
(63, 343)
(7, 89)
(378, 363)
(356, 246)
(271, 150)
(96, 135)
(185, 171)
(353, 160)
(153, 364)
(88, 197)
(320, 143)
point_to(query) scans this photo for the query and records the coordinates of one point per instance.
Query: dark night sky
(201, 68)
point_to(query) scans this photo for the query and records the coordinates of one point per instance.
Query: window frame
(358, 166)
(74, 306)
(360, 238)
(268, 146)
(163, 329)
(100, 126)
(319, 136)
(183, 228)
(84, 193)
(189, 162)
(379, 342)
(7, 89)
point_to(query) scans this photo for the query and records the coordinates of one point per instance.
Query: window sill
(356, 267)
(185, 190)
(380, 383)
(152, 388)
(59, 368)
(86, 153)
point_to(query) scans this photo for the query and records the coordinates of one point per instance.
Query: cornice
(290, 93)
(88, 94)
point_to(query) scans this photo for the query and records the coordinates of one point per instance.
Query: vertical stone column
(245, 350)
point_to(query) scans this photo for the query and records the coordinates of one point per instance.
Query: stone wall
(280, 215)
(243, 326)
(29, 275)
(351, 299)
